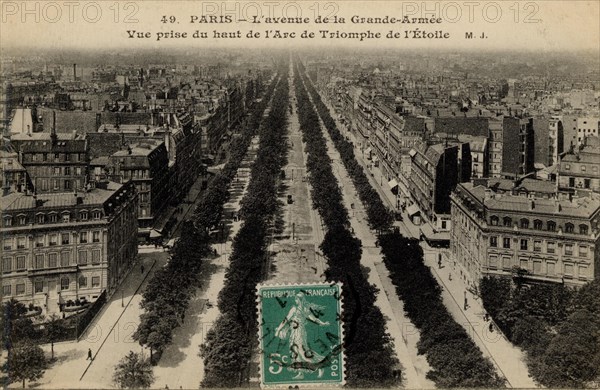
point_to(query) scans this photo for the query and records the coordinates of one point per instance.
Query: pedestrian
(449, 276)
(142, 269)
(89, 357)
(491, 327)
(215, 251)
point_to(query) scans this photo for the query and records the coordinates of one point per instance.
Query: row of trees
(455, 359)
(556, 326)
(370, 359)
(228, 346)
(167, 296)
(378, 215)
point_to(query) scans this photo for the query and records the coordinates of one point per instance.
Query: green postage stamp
(301, 334)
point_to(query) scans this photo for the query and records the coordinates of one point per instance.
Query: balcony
(53, 271)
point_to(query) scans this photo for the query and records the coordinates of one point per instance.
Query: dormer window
(66, 217)
(7, 221)
(551, 226)
(569, 228)
(507, 221)
(83, 215)
(53, 218)
(583, 229)
(22, 219)
(494, 220)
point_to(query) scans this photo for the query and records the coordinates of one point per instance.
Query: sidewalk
(109, 336)
(180, 365)
(402, 332)
(508, 359)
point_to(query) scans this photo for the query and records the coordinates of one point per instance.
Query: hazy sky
(529, 25)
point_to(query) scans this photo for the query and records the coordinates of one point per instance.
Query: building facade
(538, 237)
(67, 247)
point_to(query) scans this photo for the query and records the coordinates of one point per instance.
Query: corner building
(67, 246)
(542, 238)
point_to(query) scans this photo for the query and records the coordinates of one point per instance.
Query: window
(96, 256)
(494, 220)
(39, 261)
(583, 168)
(83, 237)
(494, 242)
(21, 242)
(523, 244)
(96, 236)
(95, 281)
(583, 271)
(537, 267)
(569, 249)
(524, 264)
(569, 228)
(567, 167)
(39, 241)
(64, 283)
(571, 182)
(551, 247)
(583, 251)
(96, 214)
(551, 226)
(524, 223)
(583, 229)
(20, 290)
(65, 259)
(506, 242)
(53, 239)
(506, 262)
(82, 281)
(537, 246)
(65, 238)
(40, 218)
(67, 171)
(6, 290)
(568, 270)
(38, 286)
(82, 258)
(6, 264)
(66, 217)
(7, 244)
(56, 171)
(493, 262)
(537, 224)
(587, 183)
(21, 262)
(83, 215)
(551, 268)
(507, 221)
(53, 218)
(7, 221)
(22, 220)
(52, 260)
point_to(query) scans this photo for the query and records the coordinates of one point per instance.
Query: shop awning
(393, 183)
(413, 209)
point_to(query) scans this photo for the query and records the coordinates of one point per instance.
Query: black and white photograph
(300, 194)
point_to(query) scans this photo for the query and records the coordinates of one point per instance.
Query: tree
(16, 327)
(133, 372)
(26, 361)
(55, 329)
